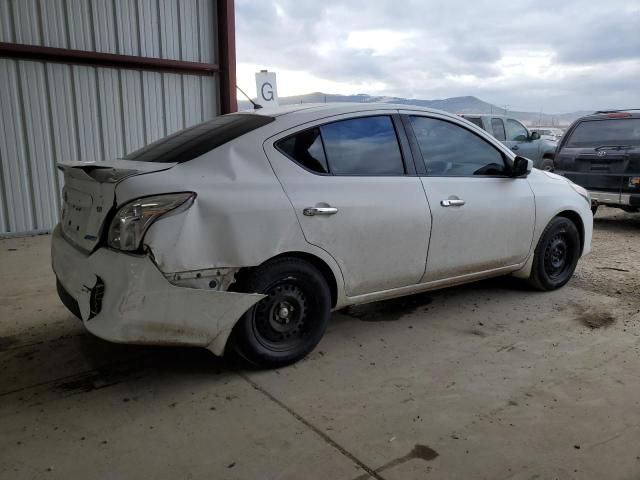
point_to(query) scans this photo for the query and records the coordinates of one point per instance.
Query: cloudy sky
(550, 55)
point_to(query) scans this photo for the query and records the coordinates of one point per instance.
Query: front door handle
(452, 203)
(313, 211)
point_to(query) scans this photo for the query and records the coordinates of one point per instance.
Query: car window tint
(475, 120)
(516, 131)
(362, 146)
(306, 149)
(596, 133)
(497, 125)
(199, 139)
(451, 150)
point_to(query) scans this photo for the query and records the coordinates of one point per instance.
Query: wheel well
(320, 264)
(577, 220)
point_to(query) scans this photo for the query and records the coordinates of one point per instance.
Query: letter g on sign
(267, 91)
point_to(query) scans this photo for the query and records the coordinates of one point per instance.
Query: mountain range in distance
(467, 104)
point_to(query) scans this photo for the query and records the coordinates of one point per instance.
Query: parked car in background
(601, 152)
(549, 133)
(518, 138)
(244, 232)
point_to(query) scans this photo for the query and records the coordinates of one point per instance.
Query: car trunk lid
(89, 195)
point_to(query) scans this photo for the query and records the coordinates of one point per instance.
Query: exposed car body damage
(140, 305)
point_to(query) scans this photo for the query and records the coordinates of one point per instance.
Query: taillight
(618, 115)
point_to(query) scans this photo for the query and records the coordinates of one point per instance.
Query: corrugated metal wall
(52, 112)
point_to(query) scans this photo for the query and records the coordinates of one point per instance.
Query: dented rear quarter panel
(241, 216)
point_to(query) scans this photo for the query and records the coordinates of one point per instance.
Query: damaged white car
(244, 232)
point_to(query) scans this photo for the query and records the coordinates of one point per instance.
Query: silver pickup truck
(518, 138)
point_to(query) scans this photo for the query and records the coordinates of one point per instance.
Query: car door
(482, 219)
(518, 140)
(353, 187)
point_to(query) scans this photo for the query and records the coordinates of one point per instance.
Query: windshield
(194, 141)
(596, 133)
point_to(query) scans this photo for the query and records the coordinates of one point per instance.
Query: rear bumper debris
(126, 299)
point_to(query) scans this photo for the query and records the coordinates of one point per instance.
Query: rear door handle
(313, 211)
(515, 147)
(452, 203)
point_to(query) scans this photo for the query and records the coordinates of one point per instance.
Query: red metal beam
(227, 55)
(98, 59)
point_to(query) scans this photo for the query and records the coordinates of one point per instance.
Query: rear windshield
(194, 141)
(597, 133)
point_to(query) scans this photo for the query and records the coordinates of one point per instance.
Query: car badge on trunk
(602, 153)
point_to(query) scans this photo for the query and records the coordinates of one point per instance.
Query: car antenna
(256, 106)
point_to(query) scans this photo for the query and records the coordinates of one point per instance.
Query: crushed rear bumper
(125, 298)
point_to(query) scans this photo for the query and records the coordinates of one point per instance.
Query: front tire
(556, 255)
(547, 165)
(288, 324)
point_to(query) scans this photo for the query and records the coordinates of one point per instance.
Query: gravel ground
(613, 268)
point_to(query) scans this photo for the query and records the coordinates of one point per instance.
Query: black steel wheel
(556, 255)
(289, 322)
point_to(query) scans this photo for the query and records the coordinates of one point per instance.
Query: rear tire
(288, 324)
(556, 255)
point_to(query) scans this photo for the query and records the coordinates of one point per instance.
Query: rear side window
(363, 146)
(358, 146)
(598, 133)
(306, 149)
(497, 125)
(194, 141)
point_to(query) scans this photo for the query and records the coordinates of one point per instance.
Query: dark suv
(601, 152)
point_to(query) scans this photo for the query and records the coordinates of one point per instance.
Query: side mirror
(521, 167)
(534, 136)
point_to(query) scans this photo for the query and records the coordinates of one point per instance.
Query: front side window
(363, 146)
(497, 125)
(516, 132)
(453, 151)
(597, 133)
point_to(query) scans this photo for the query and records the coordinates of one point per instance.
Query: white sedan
(244, 232)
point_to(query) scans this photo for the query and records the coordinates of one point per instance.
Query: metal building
(90, 80)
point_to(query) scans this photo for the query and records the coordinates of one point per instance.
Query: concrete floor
(490, 380)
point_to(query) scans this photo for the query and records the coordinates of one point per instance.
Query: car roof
(492, 115)
(327, 109)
